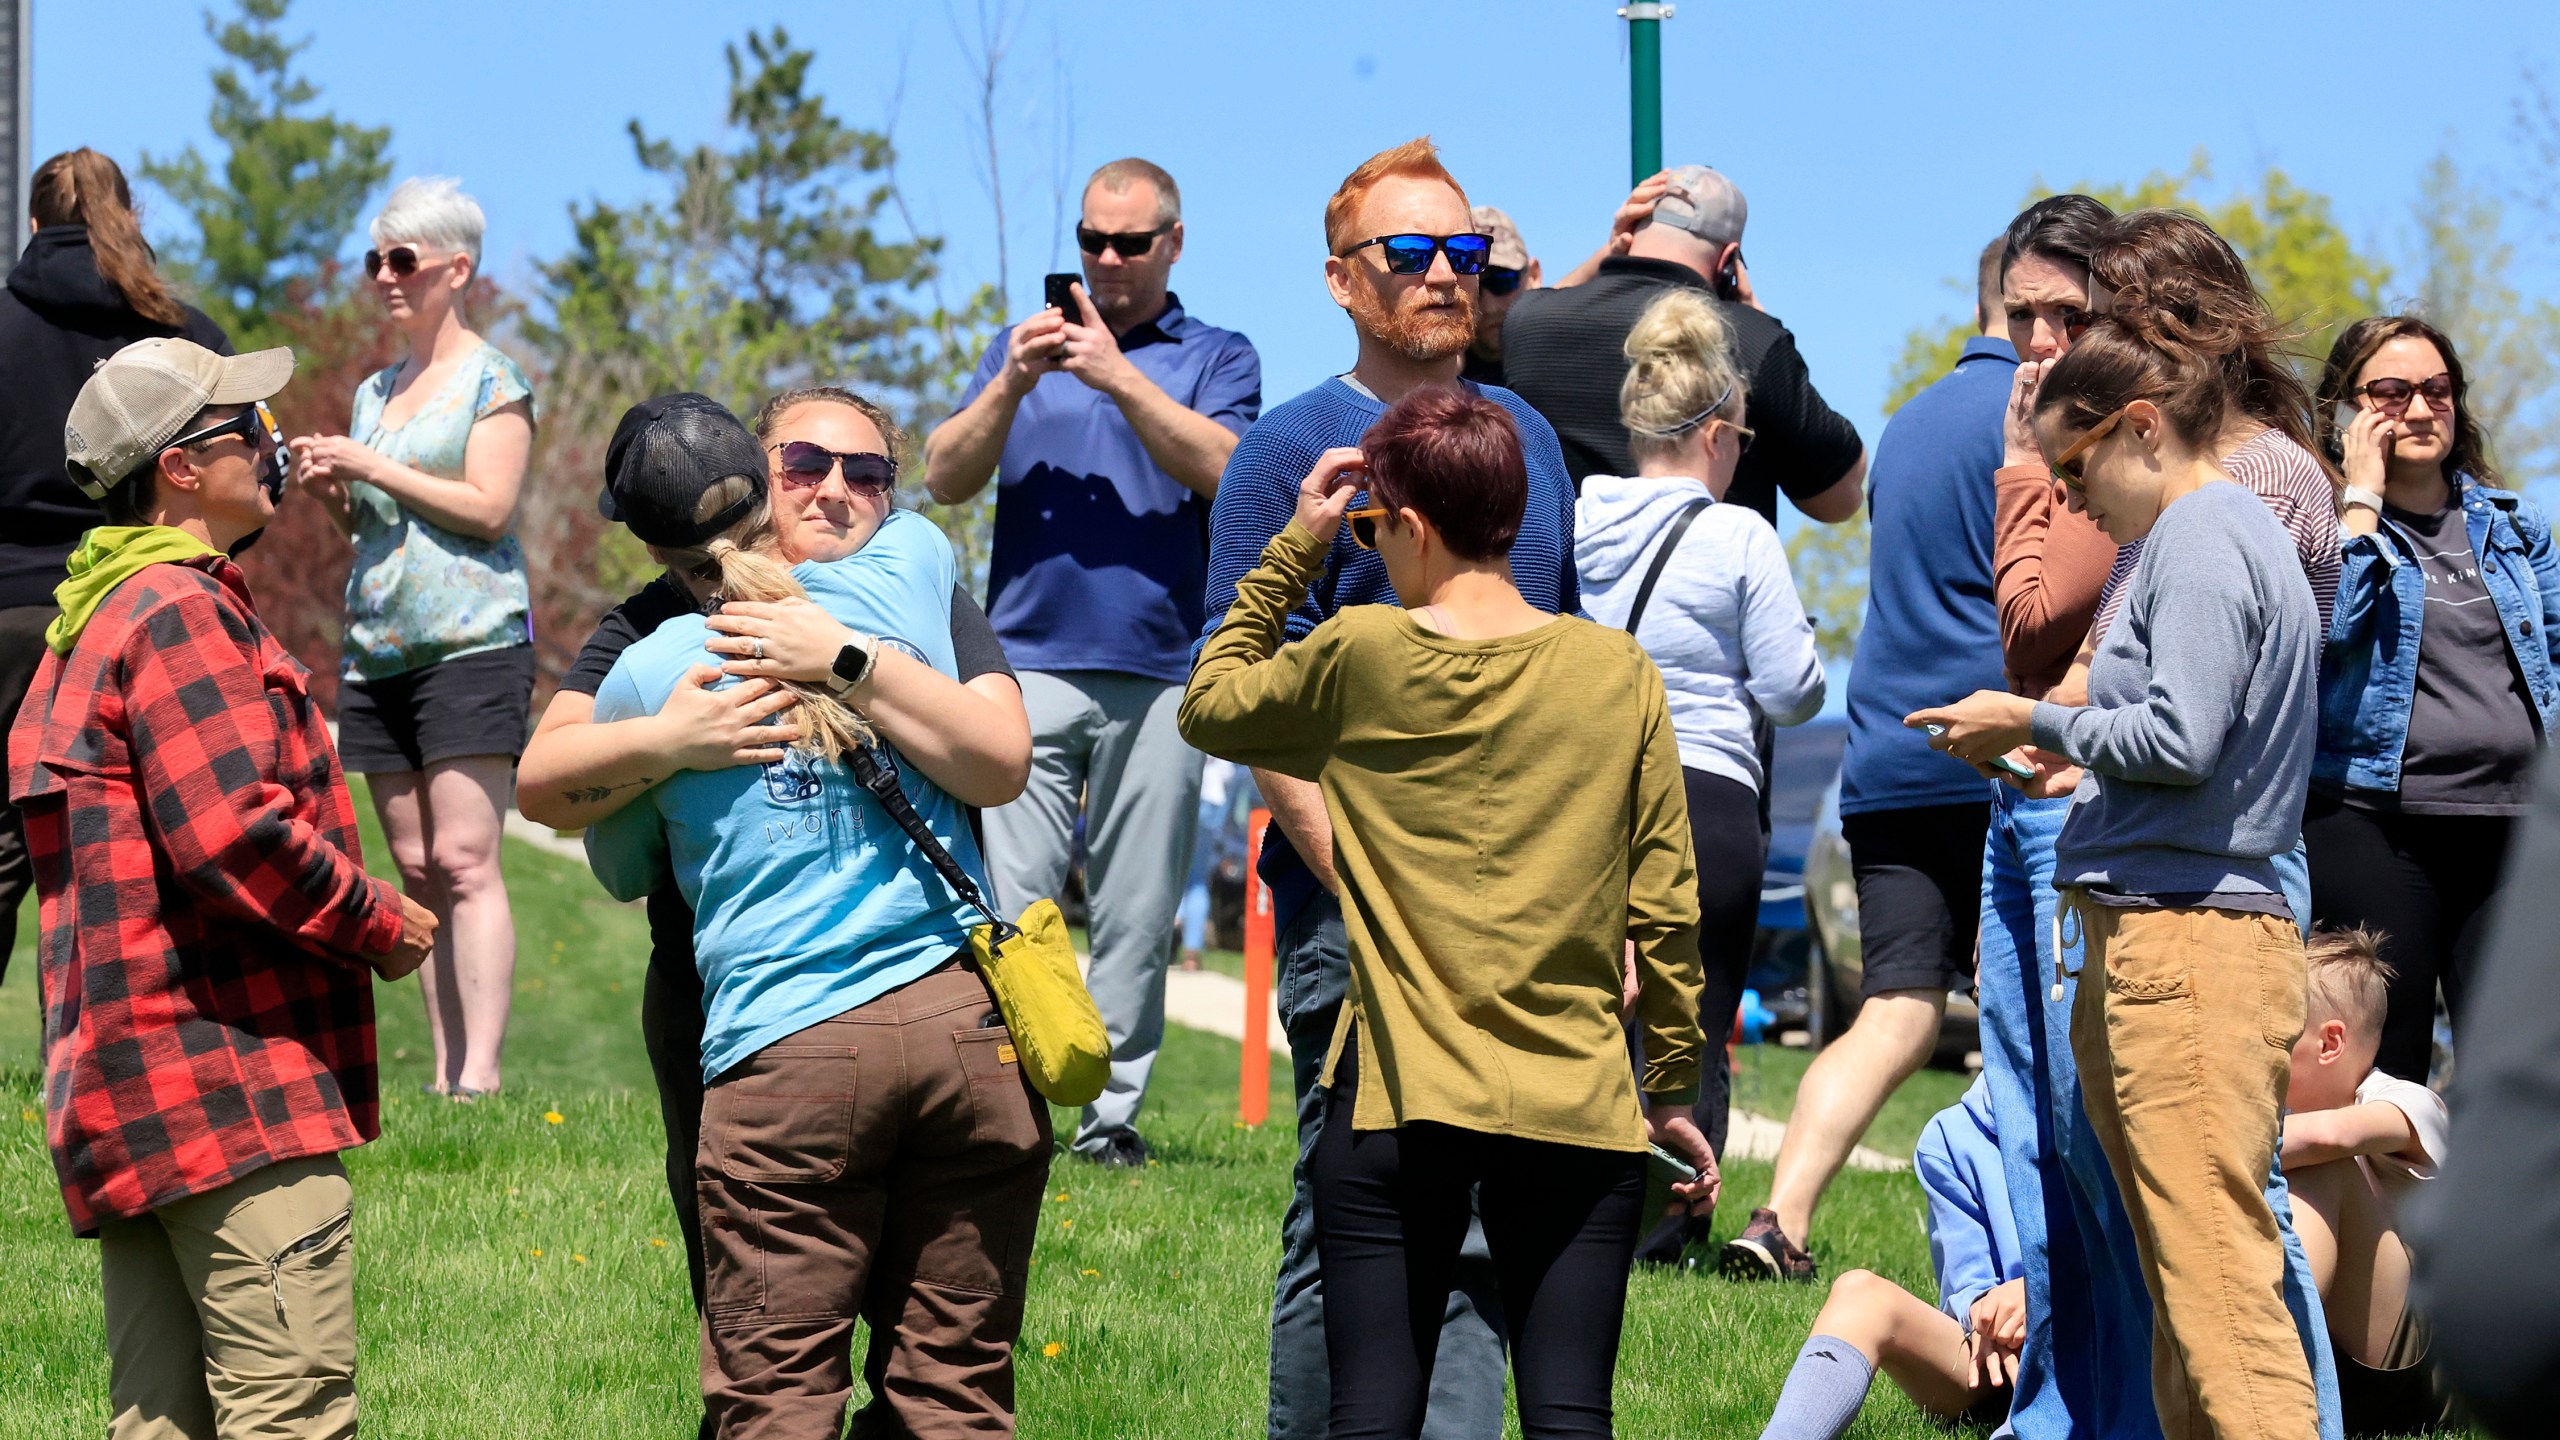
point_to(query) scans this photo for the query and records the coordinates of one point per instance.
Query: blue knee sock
(1823, 1393)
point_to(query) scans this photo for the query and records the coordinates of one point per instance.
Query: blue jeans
(2086, 1366)
(1314, 964)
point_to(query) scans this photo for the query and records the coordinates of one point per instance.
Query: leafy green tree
(770, 259)
(285, 192)
(2510, 346)
(2315, 279)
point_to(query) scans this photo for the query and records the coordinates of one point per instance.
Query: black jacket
(58, 318)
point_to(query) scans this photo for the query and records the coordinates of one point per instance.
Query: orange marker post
(1254, 1093)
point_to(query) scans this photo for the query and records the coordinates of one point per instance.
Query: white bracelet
(2358, 495)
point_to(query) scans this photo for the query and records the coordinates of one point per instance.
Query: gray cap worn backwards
(141, 398)
(1704, 203)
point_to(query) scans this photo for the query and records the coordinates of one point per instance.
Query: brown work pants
(886, 1164)
(2181, 1033)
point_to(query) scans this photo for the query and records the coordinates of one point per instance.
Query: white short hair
(433, 210)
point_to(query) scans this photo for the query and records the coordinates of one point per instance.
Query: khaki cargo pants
(2182, 1053)
(232, 1314)
(886, 1164)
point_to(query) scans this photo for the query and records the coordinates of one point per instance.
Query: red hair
(1454, 456)
(1416, 159)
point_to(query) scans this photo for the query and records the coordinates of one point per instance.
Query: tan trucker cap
(1507, 251)
(142, 396)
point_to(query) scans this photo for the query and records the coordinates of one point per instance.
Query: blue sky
(1879, 144)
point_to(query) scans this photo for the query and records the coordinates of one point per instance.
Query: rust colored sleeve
(2048, 566)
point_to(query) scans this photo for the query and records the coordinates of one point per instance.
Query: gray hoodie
(1724, 623)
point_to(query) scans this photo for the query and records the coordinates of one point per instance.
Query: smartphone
(1056, 294)
(1680, 1168)
(2006, 765)
(1729, 278)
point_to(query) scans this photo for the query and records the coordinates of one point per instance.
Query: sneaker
(1763, 1252)
(1122, 1149)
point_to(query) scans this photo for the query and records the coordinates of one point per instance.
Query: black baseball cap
(680, 471)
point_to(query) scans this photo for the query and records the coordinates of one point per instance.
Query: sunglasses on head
(2066, 466)
(1128, 245)
(404, 262)
(806, 466)
(1502, 279)
(1364, 524)
(2392, 396)
(1411, 254)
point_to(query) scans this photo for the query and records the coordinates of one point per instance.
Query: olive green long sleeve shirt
(1506, 815)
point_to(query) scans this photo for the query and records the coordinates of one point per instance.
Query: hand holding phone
(1058, 293)
(2005, 764)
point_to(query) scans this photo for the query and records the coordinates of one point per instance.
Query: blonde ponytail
(1680, 372)
(83, 187)
(740, 565)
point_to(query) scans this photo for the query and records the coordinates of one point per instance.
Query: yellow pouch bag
(1030, 965)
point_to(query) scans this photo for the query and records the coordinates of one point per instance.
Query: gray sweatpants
(1107, 743)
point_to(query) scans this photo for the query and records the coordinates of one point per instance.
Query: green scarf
(109, 556)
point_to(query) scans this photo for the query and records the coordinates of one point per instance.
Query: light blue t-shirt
(808, 900)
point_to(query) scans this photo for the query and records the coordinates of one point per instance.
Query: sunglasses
(2066, 466)
(257, 427)
(1502, 279)
(2392, 396)
(1128, 245)
(1411, 254)
(404, 262)
(1741, 433)
(806, 467)
(1364, 524)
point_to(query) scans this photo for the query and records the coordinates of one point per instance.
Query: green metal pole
(1644, 83)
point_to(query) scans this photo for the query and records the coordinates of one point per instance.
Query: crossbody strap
(1661, 557)
(875, 769)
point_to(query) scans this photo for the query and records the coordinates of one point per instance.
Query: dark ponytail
(2115, 363)
(83, 187)
(2182, 287)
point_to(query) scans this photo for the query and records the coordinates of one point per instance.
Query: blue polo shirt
(1100, 556)
(1932, 632)
(1258, 495)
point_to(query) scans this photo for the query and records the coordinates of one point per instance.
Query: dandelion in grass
(1068, 1224)
(552, 1117)
(537, 1254)
(1090, 1274)
(1062, 1195)
(577, 1259)
(1053, 1350)
(657, 1244)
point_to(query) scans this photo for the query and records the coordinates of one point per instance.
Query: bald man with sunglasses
(1105, 425)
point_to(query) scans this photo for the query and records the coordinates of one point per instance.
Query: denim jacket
(2369, 673)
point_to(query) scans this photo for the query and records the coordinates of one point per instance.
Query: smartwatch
(2353, 495)
(853, 664)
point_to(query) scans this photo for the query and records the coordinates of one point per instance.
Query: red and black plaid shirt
(205, 910)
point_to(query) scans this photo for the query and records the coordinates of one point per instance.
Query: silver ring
(758, 642)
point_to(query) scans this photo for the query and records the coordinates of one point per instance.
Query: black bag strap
(1661, 557)
(875, 769)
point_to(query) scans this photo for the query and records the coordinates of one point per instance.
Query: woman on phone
(1724, 624)
(439, 639)
(2437, 689)
(1497, 851)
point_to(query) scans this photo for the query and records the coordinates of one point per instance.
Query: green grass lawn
(519, 1276)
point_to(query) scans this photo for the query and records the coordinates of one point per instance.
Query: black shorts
(471, 705)
(1919, 874)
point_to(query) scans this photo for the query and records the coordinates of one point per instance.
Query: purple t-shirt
(1100, 556)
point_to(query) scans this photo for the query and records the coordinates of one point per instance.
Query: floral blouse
(419, 593)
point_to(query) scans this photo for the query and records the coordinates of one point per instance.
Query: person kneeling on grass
(2357, 1142)
(870, 1148)
(1497, 849)
(1957, 1359)
(2197, 740)
(209, 936)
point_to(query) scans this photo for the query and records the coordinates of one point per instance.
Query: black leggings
(2425, 881)
(1391, 1211)
(1730, 834)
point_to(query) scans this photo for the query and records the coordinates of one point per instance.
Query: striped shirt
(2296, 487)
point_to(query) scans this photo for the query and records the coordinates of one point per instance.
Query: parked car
(1832, 969)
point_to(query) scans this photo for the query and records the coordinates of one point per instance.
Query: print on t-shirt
(2473, 732)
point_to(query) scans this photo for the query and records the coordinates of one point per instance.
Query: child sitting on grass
(2357, 1141)
(1956, 1359)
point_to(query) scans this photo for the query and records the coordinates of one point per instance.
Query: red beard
(1411, 330)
